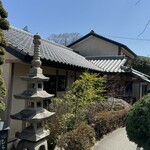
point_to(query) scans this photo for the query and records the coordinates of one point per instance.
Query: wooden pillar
(57, 72)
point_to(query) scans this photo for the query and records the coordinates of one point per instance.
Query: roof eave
(27, 59)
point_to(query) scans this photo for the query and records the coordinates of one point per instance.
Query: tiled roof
(136, 73)
(108, 63)
(141, 75)
(22, 42)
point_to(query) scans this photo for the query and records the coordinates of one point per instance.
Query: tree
(142, 64)
(113, 91)
(64, 38)
(4, 25)
(138, 123)
(86, 92)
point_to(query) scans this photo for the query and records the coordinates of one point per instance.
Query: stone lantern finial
(36, 62)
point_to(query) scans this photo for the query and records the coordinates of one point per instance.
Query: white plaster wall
(94, 46)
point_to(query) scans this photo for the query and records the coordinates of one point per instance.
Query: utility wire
(147, 22)
(127, 38)
(144, 28)
(137, 2)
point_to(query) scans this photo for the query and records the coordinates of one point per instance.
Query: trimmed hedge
(81, 138)
(138, 123)
(107, 121)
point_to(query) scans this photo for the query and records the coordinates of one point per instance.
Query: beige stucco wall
(94, 46)
(126, 53)
(17, 104)
(10, 58)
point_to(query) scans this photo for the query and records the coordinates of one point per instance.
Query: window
(144, 89)
(55, 83)
(128, 89)
(62, 83)
(50, 85)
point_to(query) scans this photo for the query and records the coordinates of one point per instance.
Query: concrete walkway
(117, 140)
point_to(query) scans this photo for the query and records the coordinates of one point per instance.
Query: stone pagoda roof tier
(33, 94)
(35, 74)
(36, 78)
(32, 115)
(31, 136)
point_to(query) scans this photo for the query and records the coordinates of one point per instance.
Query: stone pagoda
(34, 115)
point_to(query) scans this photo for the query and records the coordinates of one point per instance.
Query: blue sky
(110, 18)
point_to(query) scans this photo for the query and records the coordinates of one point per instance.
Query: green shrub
(81, 138)
(85, 92)
(73, 109)
(107, 121)
(56, 123)
(138, 123)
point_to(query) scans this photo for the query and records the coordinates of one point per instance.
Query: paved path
(117, 140)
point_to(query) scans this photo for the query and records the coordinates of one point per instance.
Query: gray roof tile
(22, 41)
(141, 75)
(108, 63)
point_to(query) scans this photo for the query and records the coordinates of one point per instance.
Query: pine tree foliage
(4, 25)
(86, 92)
(142, 64)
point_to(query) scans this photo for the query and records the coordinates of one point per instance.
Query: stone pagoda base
(40, 145)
